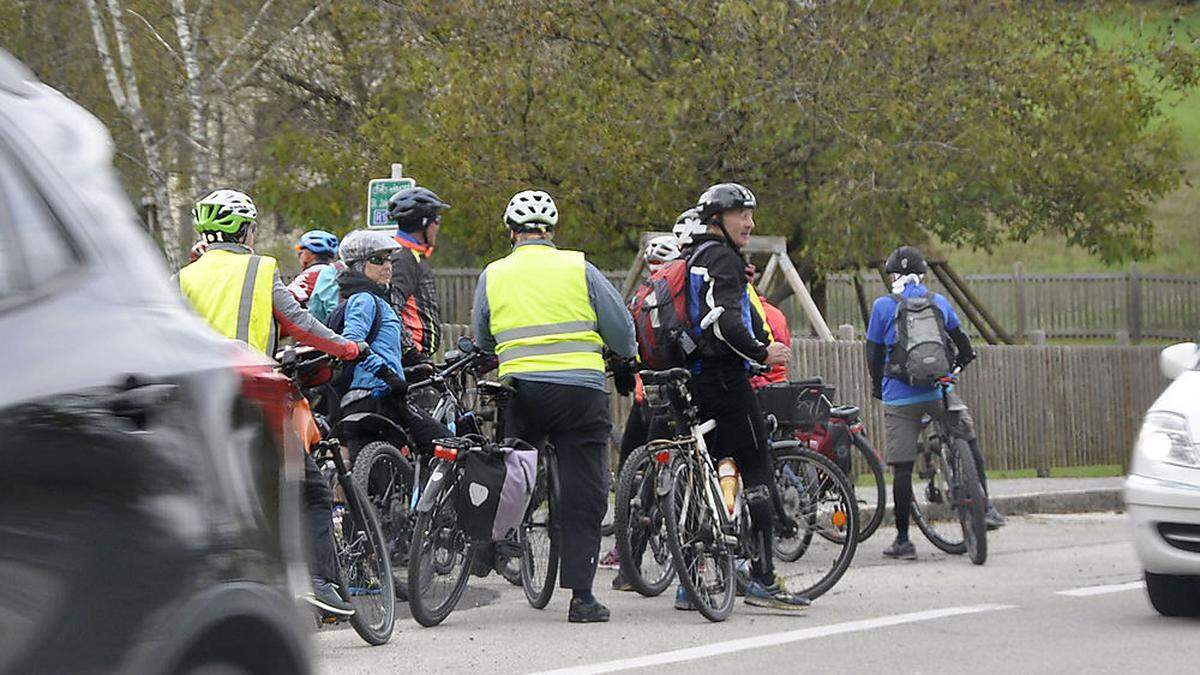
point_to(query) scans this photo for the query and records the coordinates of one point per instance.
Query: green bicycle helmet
(227, 211)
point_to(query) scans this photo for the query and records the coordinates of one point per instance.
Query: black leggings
(902, 495)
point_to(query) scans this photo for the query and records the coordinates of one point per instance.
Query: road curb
(1063, 501)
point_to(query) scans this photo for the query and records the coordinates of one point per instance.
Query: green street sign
(379, 191)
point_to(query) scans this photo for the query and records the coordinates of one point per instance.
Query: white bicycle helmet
(662, 250)
(530, 210)
(224, 211)
(688, 225)
(362, 244)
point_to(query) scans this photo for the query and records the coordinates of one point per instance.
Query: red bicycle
(803, 411)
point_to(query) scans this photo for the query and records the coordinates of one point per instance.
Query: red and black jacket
(414, 296)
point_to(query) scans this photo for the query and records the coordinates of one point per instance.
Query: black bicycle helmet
(415, 208)
(723, 197)
(905, 260)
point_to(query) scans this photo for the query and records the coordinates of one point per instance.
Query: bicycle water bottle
(727, 472)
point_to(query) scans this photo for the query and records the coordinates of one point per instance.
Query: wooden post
(964, 304)
(966, 292)
(1133, 306)
(768, 276)
(846, 332)
(861, 294)
(1037, 337)
(635, 273)
(806, 302)
(1122, 338)
(1019, 299)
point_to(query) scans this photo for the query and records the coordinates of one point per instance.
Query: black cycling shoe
(587, 611)
(324, 596)
(902, 550)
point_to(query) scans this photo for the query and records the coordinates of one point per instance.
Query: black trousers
(576, 421)
(741, 433)
(318, 507)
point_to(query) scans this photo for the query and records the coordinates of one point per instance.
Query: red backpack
(660, 316)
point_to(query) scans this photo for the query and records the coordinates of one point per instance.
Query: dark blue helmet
(905, 260)
(319, 242)
(415, 208)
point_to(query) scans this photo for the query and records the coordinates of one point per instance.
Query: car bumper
(1165, 516)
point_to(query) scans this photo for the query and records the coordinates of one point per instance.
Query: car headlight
(1165, 438)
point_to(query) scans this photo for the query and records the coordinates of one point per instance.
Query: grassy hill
(1176, 216)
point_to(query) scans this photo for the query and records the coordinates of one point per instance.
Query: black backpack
(922, 353)
(336, 321)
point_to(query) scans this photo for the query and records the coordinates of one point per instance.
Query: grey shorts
(902, 426)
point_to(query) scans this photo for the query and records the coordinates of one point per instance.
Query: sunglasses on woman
(380, 259)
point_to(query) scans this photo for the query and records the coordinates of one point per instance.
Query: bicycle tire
(538, 573)
(795, 504)
(830, 486)
(438, 524)
(871, 459)
(375, 562)
(634, 535)
(689, 494)
(972, 508)
(391, 505)
(926, 524)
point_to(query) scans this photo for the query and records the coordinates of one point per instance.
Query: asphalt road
(937, 614)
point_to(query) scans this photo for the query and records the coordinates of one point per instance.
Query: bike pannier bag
(494, 489)
(922, 352)
(660, 316)
(795, 405)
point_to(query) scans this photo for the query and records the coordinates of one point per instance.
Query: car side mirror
(1178, 359)
(466, 345)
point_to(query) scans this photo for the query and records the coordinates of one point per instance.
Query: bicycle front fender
(439, 478)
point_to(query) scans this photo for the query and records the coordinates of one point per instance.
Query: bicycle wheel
(538, 536)
(439, 559)
(385, 476)
(931, 508)
(797, 502)
(365, 566)
(971, 504)
(699, 553)
(639, 526)
(830, 510)
(870, 488)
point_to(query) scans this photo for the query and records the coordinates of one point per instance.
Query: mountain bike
(803, 411)
(538, 543)
(704, 534)
(952, 516)
(362, 555)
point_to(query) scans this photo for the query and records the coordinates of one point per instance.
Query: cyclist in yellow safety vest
(548, 315)
(240, 294)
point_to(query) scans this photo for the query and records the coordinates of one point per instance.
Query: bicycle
(538, 539)
(704, 533)
(946, 462)
(803, 411)
(639, 524)
(362, 556)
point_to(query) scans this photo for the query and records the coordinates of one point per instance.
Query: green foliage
(859, 127)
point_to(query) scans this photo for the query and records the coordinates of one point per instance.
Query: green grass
(1091, 471)
(1176, 236)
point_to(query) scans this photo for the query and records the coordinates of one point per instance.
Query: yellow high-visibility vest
(541, 315)
(232, 292)
(756, 303)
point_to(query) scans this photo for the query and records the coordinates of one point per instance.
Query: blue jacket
(385, 349)
(882, 330)
(324, 297)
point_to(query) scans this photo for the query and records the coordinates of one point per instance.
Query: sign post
(379, 191)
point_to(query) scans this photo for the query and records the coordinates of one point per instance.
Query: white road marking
(771, 640)
(1101, 590)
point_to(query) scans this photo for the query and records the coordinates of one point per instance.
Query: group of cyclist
(555, 325)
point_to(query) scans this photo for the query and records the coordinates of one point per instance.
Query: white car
(1162, 490)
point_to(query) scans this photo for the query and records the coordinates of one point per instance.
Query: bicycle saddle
(665, 376)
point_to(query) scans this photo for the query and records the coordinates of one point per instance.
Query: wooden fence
(1034, 407)
(1064, 306)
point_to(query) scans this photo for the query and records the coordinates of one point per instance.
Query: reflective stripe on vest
(232, 292)
(541, 315)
